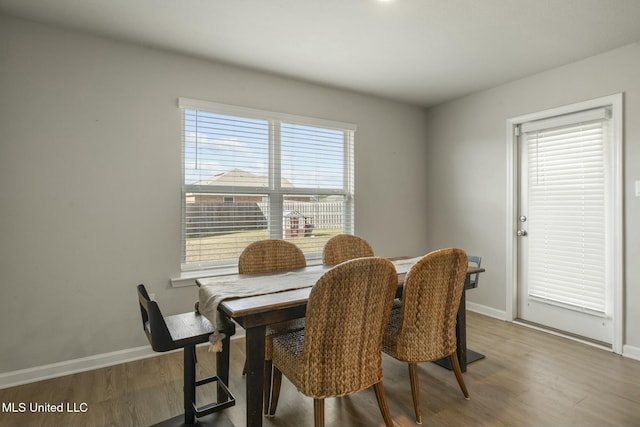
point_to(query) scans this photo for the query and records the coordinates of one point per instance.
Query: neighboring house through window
(250, 175)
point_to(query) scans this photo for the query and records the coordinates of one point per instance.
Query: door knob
(521, 232)
(522, 218)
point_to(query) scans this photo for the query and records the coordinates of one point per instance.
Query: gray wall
(90, 178)
(90, 181)
(467, 172)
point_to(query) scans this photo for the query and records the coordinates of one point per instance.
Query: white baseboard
(54, 370)
(487, 311)
(39, 373)
(631, 352)
(627, 350)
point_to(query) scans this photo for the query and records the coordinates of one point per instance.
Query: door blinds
(568, 173)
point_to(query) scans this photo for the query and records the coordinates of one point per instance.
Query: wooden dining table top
(252, 305)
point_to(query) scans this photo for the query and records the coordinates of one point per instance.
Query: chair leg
(244, 370)
(275, 390)
(222, 366)
(318, 412)
(415, 391)
(382, 403)
(268, 367)
(456, 370)
(189, 386)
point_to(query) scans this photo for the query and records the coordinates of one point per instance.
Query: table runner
(236, 286)
(404, 265)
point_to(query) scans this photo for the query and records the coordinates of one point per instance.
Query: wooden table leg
(255, 374)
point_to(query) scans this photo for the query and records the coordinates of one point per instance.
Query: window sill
(188, 278)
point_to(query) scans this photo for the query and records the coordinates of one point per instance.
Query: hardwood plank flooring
(529, 378)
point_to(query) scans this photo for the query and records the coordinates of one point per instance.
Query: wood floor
(529, 378)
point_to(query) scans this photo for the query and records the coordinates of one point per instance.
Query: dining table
(282, 297)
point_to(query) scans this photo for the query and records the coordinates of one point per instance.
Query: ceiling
(422, 52)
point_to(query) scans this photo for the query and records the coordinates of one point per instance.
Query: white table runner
(214, 290)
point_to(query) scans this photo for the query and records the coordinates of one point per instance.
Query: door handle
(521, 232)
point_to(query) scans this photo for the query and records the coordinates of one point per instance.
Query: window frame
(274, 192)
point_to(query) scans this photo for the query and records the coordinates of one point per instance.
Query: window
(250, 175)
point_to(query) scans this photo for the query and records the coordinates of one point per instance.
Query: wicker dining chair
(339, 352)
(474, 260)
(344, 247)
(422, 326)
(271, 256)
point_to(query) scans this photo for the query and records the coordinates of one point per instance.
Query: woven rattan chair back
(344, 247)
(347, 313)
(340, 350)
(271, 255)
(431, 296)
(423, 327)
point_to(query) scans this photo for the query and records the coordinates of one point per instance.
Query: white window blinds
(568, 175)
(251, 175)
